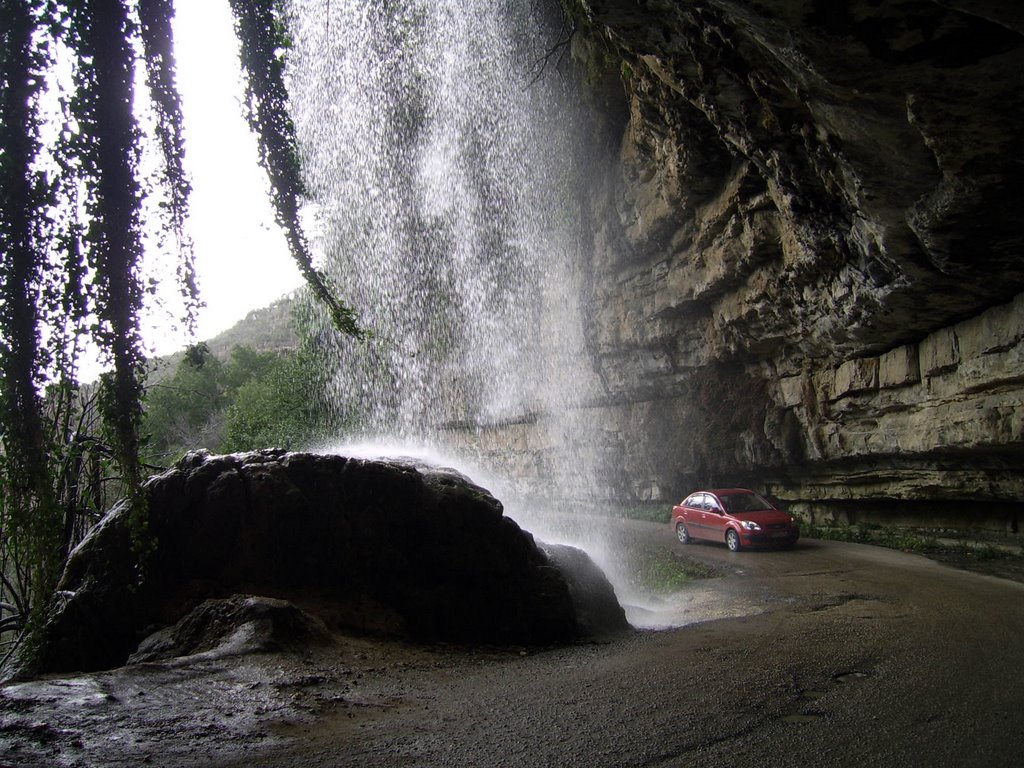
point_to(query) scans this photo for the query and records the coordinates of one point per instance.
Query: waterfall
(442, 163)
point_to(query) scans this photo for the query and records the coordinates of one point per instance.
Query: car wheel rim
(732, 540)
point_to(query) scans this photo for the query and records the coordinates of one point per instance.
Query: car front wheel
(682, 534)
(732, 540)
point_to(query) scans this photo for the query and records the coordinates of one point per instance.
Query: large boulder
(373, 546)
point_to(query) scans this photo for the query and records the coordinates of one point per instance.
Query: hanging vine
(264, 39)
(29, 531)
(158, 45)
(71, 241)
(71, 199)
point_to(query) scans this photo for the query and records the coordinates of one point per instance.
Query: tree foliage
(72, 199)
(182, 408)
(281, 408)
(71, 239)
(252, 400)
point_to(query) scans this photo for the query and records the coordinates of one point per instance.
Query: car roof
(725, 491)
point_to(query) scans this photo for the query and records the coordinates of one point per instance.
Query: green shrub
(665, 571)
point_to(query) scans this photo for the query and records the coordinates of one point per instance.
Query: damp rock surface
(234, 626)
(383, 548)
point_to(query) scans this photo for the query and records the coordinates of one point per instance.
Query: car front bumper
(769, 538)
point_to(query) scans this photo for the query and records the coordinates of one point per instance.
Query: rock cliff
(806, 269)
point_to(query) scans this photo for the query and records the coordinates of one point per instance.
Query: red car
(739, 517)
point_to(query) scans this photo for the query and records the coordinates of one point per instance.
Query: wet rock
(234, 626)
(373, 546)
(589, 588)
(856, 233)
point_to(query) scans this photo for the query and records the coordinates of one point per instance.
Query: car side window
(705, 502)
(713, 506)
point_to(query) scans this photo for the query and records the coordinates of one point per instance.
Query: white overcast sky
(241, 256)
(242, 259)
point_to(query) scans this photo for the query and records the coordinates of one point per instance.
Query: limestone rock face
(807, 254)
(374, 546)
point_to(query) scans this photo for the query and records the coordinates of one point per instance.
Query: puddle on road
(848, 677)
(810, 717)
(806, 707)
(694, 604)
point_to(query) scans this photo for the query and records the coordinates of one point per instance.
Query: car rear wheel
(732, 540)
(682, 534)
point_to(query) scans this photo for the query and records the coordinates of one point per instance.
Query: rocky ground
(830, 654)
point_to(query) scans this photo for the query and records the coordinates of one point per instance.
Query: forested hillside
(253, 386)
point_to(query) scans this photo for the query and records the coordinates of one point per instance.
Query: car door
(690, 515)
(702, 503)
(714, 527)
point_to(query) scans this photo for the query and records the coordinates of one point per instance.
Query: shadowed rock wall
(816, 206)
(806, 269)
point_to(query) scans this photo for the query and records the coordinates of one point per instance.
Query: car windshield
(744, 502)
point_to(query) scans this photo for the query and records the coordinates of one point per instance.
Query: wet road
(837, 655)
(831, 654)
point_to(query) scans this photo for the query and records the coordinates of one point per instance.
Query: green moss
(650, 512)
(945, 545)
(664, 571)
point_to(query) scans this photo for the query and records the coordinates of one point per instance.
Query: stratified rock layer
(375, 546)
(807, 268)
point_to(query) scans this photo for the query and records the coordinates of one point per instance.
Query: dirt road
(831, 654)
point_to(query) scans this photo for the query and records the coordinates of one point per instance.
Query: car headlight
(750, 525)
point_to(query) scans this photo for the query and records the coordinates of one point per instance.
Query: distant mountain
(268, 329)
